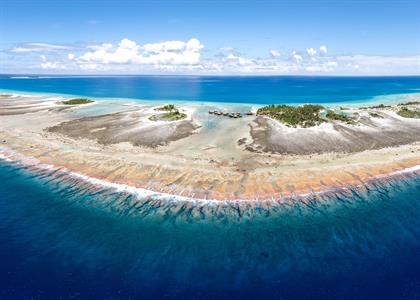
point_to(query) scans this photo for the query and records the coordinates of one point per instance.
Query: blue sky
(215, 37)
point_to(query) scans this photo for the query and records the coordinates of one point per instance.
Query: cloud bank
(188, 57)
(38, 47)
(129, 52)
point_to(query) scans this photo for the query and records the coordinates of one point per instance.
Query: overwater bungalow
(226, 113)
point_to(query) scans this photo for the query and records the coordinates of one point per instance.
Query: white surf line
(5, 158)
(12, 156)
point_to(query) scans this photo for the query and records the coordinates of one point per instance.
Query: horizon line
(208, 75)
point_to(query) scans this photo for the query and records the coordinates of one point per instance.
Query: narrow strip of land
(268, 153)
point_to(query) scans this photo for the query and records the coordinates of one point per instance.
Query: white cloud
(187, 57)
(129, 52)
(126, 51)
(380, 61)
(274, 53)
(38, 47)
(297, 58)
(233, 59)
(103, 46)
(311, 52)
(227, 49)
(327, 66)
(169, 46)
(332, 64)
(50, 65)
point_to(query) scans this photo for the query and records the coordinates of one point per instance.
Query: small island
(172, 114)
(379, 106)
(409, 103)
(77, 101)
(408, 113)
(166, 107)
(304, 116)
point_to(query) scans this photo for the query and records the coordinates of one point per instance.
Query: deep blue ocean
(63, 239)
(245, 89)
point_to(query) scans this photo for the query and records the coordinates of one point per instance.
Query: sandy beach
(206, 156)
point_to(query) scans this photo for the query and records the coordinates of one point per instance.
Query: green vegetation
(377, 106)
(409, 103)
(77, 101)
(167, 107)
(305, 116)
(407, 113)
(338, 117)
(174, 115)
(170, 116)
(375, 115)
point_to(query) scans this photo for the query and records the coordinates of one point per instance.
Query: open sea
(244, 89)
(61, 238)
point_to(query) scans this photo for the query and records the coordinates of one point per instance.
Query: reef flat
(254, 157)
